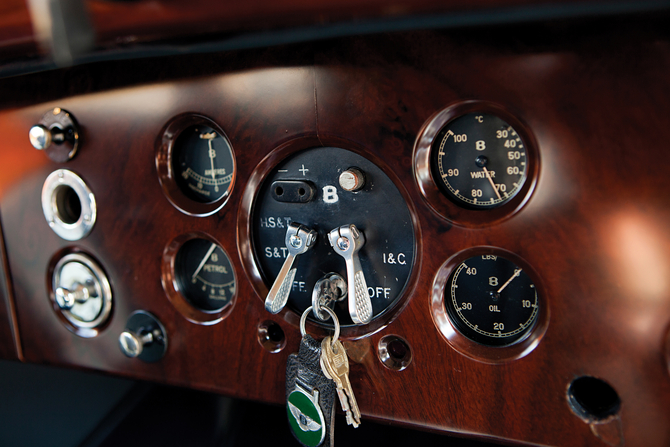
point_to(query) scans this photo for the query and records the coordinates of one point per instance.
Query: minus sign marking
(282, 170)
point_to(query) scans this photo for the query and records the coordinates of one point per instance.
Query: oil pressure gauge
(491, 300)
(479, 161)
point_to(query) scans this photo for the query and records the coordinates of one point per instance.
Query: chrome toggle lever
(347, 241)
(299, 239)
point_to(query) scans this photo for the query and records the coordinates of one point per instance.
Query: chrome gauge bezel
(435, 195)
(245, 232)
(172, 288)
(165, 153)
(466, 346)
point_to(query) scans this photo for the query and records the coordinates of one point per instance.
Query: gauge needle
(212, 154)
(204, 260)
(488, 176)
(517, 272)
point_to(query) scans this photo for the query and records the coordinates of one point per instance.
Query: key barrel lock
(331, 230)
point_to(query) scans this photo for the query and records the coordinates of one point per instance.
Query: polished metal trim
(54, 215)
(102, 287)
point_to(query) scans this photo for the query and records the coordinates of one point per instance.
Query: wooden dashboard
(593, 96)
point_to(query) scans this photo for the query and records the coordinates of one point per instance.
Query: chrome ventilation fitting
(68, 204)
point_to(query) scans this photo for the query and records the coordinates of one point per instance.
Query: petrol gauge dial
(203, 163)
(479, 161)
(491, 300)
(204, 275)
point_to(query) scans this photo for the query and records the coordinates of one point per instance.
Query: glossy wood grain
(10, 347)
(594, 230)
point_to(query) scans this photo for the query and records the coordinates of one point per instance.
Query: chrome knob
(40, 137)
(78, 293)
(132, 344)
(57, 133)
(144, 337)
(352, 179)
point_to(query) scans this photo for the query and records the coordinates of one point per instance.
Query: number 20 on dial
(479, 161)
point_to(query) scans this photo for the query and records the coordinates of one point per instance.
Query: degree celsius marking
(515, 170)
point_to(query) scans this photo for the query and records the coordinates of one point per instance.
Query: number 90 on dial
(479, 161)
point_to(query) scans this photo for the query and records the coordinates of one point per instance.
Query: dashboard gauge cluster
(475, 164)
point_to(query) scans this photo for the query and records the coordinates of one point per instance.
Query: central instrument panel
(461, 229)
(339, 188)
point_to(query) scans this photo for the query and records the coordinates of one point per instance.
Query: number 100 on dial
(479, 161)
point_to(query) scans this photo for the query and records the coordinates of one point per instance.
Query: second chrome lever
(347, 241)
(299, 239)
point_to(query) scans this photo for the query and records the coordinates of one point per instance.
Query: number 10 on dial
(479, 161)
(491, 300)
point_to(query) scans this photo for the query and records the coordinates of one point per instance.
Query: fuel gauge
(204, 275)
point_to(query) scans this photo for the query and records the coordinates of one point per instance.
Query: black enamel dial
(305, 189)
(479, 161)
(203, 163)
(204, 274)
(491, 300)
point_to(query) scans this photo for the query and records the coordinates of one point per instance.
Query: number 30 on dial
(479, 161)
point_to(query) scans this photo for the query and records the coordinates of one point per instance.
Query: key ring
(303, 320)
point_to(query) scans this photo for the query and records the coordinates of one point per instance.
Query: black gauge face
(204, 274)
(491, 300)
(479, 161)
(306, 189)
(203, 163)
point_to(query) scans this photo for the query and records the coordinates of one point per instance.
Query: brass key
(335, 365)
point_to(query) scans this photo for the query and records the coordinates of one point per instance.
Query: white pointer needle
(488, 176)
(204, 260)
(517, 272)
(211, 158)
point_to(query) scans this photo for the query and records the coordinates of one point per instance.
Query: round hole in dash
(394, 352)
(301, 191)
(593, 399)
(279, 191)
(271, 336)
(67, 204)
